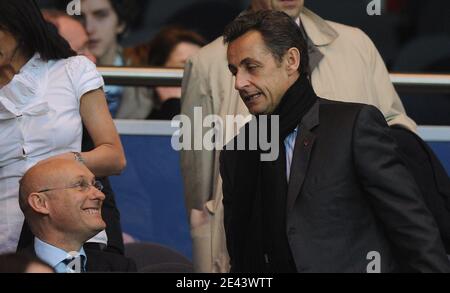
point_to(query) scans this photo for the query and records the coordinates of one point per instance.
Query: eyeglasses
(81, 186)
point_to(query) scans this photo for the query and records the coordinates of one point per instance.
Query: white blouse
(39, 118)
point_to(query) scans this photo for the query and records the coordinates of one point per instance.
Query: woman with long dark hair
(46, 93)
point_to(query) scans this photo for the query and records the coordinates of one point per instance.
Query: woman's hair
(167, 39)
(24, 20)
(127, 13)
(126, 10)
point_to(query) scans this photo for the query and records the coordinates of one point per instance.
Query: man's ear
(38, 202)
(292, 60)
(121, 27)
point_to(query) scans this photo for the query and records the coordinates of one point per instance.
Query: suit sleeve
(196, 165)
(394, 195)
(227, 202)
(390, 103)
(132, 268)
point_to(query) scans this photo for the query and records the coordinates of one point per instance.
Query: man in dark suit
(337, 198)
(62, 204)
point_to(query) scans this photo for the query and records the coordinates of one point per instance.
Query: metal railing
(172, 77)
(168, 128)
(421, 83)
(135, 76)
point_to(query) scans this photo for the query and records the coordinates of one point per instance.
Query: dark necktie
(76, 264)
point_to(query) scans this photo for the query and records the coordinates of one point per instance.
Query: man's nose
(241, 81)
(97, 194)
(89, 26)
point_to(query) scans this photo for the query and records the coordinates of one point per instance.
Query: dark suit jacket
(349, 194)
(103, 261)
(98, 261)
(430, 176)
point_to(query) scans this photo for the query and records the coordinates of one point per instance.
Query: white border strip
(145, 127)
(164, 128)
(435, 80)
(435, 133)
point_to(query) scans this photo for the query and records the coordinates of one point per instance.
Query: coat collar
(317, 29)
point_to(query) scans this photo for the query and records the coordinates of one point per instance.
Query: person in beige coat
(345, 66)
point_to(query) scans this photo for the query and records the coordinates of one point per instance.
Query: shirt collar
(119, 61)
(51, 254)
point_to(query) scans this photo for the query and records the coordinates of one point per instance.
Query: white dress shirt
(289, 145)
(55, 257)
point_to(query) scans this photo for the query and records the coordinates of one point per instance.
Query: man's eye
(82, 185)
(251, 67)
(102, 15)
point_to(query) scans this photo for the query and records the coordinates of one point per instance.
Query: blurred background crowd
(411, 36)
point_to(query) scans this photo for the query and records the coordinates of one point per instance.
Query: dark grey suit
(349, 194)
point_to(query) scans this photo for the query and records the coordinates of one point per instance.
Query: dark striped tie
(76, 264)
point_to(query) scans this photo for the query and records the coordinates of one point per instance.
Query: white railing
(136, 76)
(164, 128)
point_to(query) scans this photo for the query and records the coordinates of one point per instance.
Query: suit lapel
(302, 154)
(95, 262)
(28, 250)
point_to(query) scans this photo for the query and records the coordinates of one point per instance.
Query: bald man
(62, 202)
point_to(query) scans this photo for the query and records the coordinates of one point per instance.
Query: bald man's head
(45, 175)
(41, 176)
(61, 199)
